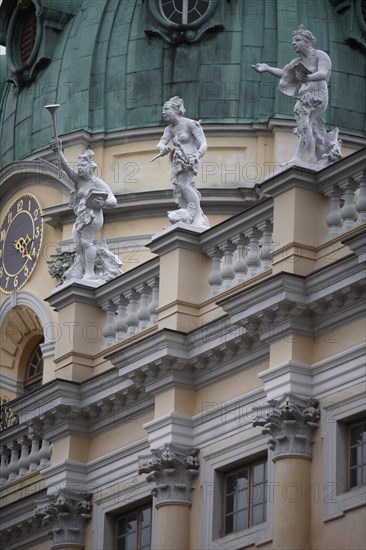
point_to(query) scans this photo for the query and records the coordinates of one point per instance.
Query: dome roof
(112, 64)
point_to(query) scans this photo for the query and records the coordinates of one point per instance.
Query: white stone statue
(312, 71)
(93, 261)
(190, 145)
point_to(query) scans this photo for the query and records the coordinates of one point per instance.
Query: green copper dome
(112, 64)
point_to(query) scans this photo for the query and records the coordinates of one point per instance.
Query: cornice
(252, 130)
(292, 178)
(230, 200)
(305, 305)
(357, 243)
(297, 177)
(71, 293)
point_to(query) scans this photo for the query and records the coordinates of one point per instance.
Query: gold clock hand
(21, 245)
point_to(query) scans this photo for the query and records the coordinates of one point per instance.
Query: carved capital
(65, 513)
(291, 424)
(173, 469)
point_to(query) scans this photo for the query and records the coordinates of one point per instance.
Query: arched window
(183, 12)
(34, 372)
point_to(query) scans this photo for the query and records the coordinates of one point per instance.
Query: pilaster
(290, 423)
(65, 513)
(173, 470)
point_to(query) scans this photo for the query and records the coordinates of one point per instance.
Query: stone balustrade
(347, 201)
(240, 248)
(23, 452)
(130, 302)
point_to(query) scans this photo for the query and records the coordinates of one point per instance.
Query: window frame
(359, 422)
(126, 495)
(165, 22)
(336, 418)
(249, 466)
(135, 509)
(213, 467)
(33, 382)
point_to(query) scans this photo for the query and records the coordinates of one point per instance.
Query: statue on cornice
(190, 145)
(311, 70)
(93, 260)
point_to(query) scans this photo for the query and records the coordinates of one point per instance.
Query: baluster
(4, 473)
(154, 304)
(45, 453)
(227, 270)
(253, 256)
(240, 266)
(361, 201)
(143, 313)
(132, 319)
(266, 250)
(121, 323)
(348, 211)
(109, 330)
(214, 277)
(34, 458)
(23, 462)
(13, 468)
(334, 218)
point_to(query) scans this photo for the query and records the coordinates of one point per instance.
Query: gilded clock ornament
(20, 242)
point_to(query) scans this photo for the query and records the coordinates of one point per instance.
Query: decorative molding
(31, 301)
(290, 422)
(357, 243)
(82, 138)
(172, 468)
(173, 429)
(66, 514)
(9, 383)
(301, 306)
(38, 171)
(292, 378)
(337, 498)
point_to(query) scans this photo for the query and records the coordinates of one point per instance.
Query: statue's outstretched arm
(56, 147)
(264, 68)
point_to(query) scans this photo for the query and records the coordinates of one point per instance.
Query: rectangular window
(245, 497)
(134, 529)
(357, 454)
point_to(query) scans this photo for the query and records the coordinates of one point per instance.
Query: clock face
(20, 242)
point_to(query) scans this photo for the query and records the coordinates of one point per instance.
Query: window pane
(121, 526)
(258, 473)
(132, 523)
(121, 544)
(230, 484)
(229, 524)
(146, 537)
(131, 541)
(229, 504)
(356, 435)
(241, 501)
(146, 516)
(242, 480)
(240, 521)
(258, 514)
